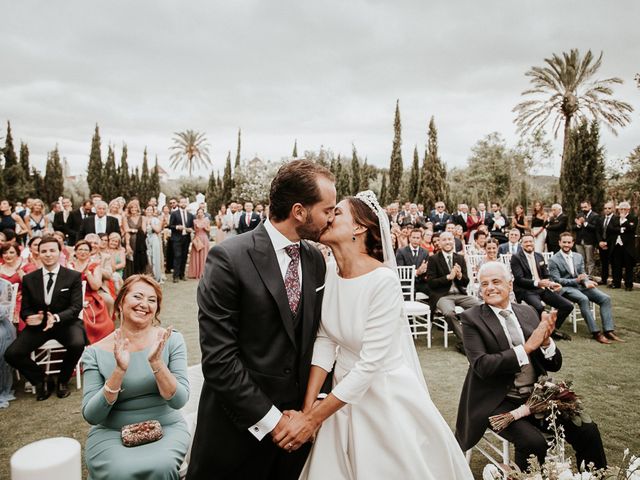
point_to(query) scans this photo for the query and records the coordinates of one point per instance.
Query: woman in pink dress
(12, 269)
(199, 245)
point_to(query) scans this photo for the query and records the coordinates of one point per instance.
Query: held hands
(582, 277)
(51, 321)
(297, 431)
(35, 319)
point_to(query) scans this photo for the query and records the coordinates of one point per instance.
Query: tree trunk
(565, 147)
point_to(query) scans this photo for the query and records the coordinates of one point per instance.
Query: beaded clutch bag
(140, 433)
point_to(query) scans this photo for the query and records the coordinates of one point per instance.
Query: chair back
(506, 259)
(84, 290)
(547, 256)
(407, 282)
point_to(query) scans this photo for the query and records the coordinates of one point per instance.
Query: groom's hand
(296, 432)
(284, 419)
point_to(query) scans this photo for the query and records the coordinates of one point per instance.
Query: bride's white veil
(389, 259)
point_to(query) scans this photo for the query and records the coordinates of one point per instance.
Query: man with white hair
(439, 217)
(508, 348)
(413, 219)
(460, 218)
(624, 248)
(556, 224)
(98, 223)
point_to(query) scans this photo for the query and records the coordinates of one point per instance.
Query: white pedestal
(49, 459)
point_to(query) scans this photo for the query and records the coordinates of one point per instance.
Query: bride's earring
(354, 236)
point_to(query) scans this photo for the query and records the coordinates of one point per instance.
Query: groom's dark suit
(255, 354)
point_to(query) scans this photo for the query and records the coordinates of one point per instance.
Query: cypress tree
(227, 180)
(145, 180)
(110, 187)
(37, 183)
(414, 179)
(236, 166)
(295, 149)
(26, 169)
(356, 177)
(395, 166)
(2, 185)
(124, 180)
(154, 182)
(134, 184)
(433, 185)
(13, 175)
(94, 168)
(53, 177)
(212, 194)
(384, 194)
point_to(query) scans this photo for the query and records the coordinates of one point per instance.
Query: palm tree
(569, 94)
(190, 149)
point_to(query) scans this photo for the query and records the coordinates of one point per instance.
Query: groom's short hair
(295, 182)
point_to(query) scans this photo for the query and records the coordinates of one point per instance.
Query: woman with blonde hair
(137, 373)
(538, 221)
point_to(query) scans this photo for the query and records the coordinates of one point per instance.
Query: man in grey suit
(508, 347)
(567, 269)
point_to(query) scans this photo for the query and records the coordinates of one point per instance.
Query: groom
(259, 310)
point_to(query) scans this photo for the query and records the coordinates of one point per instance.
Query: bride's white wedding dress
(390, 428)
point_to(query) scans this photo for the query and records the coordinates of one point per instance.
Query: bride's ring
(289, 446)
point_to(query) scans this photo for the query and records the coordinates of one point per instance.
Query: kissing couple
(275, 319)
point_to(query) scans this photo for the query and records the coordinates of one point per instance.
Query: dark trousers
(18, 355)
(168, 256)
(623, 260)
(604, 263)
(536, 297)
(526, 435)
(180, 247)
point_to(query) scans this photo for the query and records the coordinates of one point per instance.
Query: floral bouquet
(545, 394)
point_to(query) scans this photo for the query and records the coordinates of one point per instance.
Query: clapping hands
(542, 333)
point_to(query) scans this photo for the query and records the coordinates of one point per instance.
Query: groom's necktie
(291, 277)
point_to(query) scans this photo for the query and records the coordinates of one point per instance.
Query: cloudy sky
(324, 73)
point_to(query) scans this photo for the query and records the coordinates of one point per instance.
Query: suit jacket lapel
(308, 295)
(266, 263)
(39, 287)
(493, 324)
(525, 261)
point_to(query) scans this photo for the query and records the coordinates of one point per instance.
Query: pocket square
(320, 288)
(64, 289)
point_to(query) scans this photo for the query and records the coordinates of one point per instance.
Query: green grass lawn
(605, 376)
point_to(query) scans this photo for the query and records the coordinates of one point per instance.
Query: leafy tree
(355, 172)
(110, 188)
(583, 178)
(190, 149)
(53, 177)
(395, 166)
(227, 181)
(94, 168)
(295, 149)
(433, 184)
(413, 186)
(566, 91)
(253, 180)
(343, 183)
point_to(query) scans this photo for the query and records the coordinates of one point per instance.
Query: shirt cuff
(266, 424)
(535, 283)
(521, 355)
(57, 317)
(550, 350)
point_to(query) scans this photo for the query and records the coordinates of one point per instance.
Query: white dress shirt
(267, 423)
(521, 354)
(569, 259)
(49, 295)
(101, 224)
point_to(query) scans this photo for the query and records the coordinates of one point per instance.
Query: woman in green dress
(137, 373)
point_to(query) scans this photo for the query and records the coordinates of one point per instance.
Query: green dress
(139, 400)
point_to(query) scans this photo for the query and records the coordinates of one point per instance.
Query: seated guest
(513, 245)
(13, 269)
(532, 285)
(478, 242)
(439, 218)
(427, 241)
(490, 251)
(435, 240)
(508, 348)
(97, 321)
(7, 336)
(458, 234)
(567, 268)
(403, 236)
(137, 373)
(51, 304)
(31, 255)
(414, 254)
(458, 246)
(447, 281)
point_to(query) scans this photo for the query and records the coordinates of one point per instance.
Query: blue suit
(577, 292)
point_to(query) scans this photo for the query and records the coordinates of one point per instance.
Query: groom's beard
(309, 231)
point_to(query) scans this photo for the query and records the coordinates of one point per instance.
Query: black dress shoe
(558, 335)
(63, 390)
(628, 289)
(175, 280)
(42, 393)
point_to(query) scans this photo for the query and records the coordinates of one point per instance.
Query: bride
(378, 422)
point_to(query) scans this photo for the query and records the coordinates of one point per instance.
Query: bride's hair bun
(365, 216)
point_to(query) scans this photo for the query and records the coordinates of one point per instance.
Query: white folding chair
(576, 315)
(506, 259)
(46, 354)
(547, 256)
(13, 300)
(494, 448)
(419, 313)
